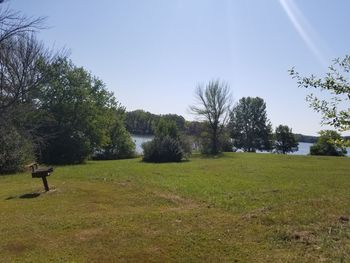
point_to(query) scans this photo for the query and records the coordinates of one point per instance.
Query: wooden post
(46, 185)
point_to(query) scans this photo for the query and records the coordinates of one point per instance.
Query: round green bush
(162, 149)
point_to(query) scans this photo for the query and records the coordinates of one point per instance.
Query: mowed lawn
(240, 207)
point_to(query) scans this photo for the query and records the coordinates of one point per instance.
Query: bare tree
(213, 104)
(19, 55)
(13, 23)
(20, 60)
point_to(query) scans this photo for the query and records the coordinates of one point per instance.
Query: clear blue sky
(153, 53)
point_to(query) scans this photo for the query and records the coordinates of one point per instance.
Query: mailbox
(41, 173)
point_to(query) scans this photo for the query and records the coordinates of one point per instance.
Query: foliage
(141, 122)
(79, 110)
(195, 128)
(186, 145)
(177, 119)
(21, 56)
(166, 128)
(327, 144)
(168, 145)
(120, 144)
(15, 150)
(213, 102)
(335, 111)
(285, 140)
(144, 123)
(205, 142)
(162, 149)
(249, 127)
(226, 143)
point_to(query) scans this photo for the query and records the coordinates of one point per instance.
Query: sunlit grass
(243, 207)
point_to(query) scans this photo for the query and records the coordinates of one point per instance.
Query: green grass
(237, 208)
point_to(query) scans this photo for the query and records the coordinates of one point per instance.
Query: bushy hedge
(163, 149)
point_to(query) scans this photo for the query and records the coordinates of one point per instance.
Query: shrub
(67, 148)
(225, 143)
(327, 144)
(186, 145)
(121, 146)
(163, 149)
(15, 150)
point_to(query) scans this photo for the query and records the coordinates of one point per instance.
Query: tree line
(144, 123)
(225, 126)
(140, 122)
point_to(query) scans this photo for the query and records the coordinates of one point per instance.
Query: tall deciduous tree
(79, 112)
(213, 103)
(285, 140)
(21, 55)
(249, 127)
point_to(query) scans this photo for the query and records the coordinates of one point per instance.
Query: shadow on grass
(24, 196)
(29, 196)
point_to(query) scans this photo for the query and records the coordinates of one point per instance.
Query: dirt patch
(179, 201)
(306, 237)
(16, 248)
(257, 213)
(88, 234)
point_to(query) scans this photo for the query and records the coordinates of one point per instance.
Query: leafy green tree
(21, 57)
(249, 127)
(120, 144)
(285, 140)
(79, 109)
(213, 103)
(327, 144)
(335, 111)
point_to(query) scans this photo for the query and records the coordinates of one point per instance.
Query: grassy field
(237, 208)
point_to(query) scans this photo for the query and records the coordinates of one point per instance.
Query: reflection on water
(304, 147)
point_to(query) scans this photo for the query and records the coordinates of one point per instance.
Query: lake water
(139, 140)
(304, 147)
